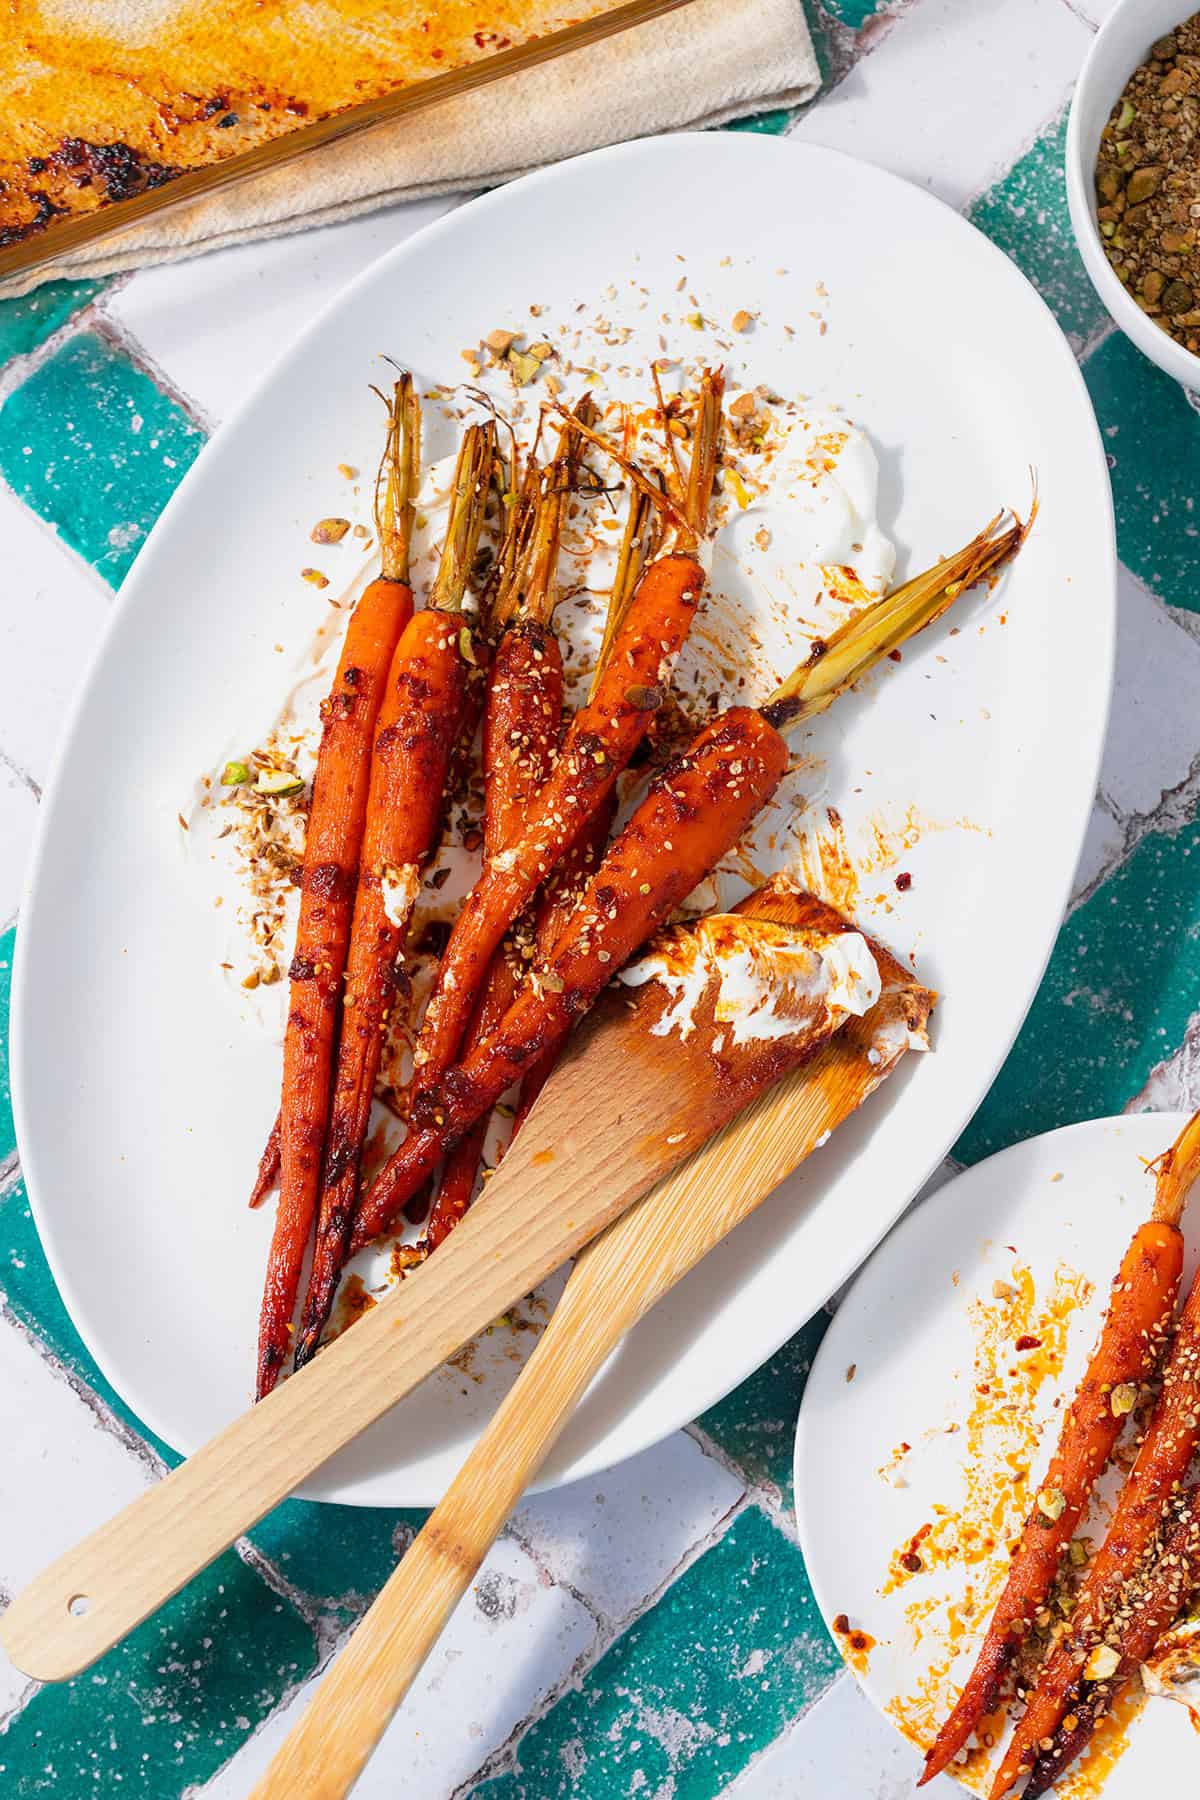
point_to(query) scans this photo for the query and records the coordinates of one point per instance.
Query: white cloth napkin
(707, 63)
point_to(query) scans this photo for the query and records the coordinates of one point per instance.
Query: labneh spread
(769, 980)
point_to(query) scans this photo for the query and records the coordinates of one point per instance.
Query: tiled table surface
(650, 1633)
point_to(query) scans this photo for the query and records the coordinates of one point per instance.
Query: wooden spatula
(616, 1280)
(624, 1108)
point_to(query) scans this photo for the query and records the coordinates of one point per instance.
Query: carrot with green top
(563, 891)
(600, 740)
(1166, 1452)
(520, 739)
(521, 728)
(331, 852)
(693, 814)
(417, 727)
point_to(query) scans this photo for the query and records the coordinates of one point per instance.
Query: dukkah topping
(1148, 184)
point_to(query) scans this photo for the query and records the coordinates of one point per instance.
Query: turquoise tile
(1026, 215)
(768, 124)
(91, 445)
(29, 321)
(8, 1134)
(755, 1425)
(855, 13)
(696, 1687)
(340, 1556)
(1116, 999)
(1152, 437)
(160, 1714)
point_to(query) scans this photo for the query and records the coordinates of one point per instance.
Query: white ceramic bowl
(1120, 45)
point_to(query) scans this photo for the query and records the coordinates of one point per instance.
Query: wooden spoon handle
(617, 1279)
(534, 1216)
(328, 1748)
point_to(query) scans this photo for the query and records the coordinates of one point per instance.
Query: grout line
(118, 337)
(22, 775)
(103, 1415)
(1073, 7)
(503, 1757)
(10, 1174)
(760, 1756)
(59, 542)
(1026, 146)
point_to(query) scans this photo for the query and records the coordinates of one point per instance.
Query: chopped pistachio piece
(1051, 1503)
(524, 366)
(466, 647)
(1078, 1553)
(278, 782)
(235, 774)
(1123, 1399)
(1125, 120)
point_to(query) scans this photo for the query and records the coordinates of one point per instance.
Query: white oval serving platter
(142, 1101)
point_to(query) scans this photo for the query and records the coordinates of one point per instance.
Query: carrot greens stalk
(1166, 1452)
(333, 841)
(692, 815)
(417, 727)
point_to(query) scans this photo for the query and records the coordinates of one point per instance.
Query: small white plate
(1064, 1205)
(142, 1103)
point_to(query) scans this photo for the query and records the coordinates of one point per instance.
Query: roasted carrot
(697, 808)
(1149, 1607)
(417, 726)
(1162, 1462)
(561, 897)
(562, 892)
(521, 729)
(693, 813)
(600, 740)
(1140, 1309)
(331, 852)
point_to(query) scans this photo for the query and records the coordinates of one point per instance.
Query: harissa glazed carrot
(416, 731)
(694, 812)
(331, 853)
(601, 738)
(1162, 1462)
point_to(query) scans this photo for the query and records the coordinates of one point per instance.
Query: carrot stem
(836, 662)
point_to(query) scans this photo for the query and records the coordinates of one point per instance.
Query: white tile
(1154, 730)
(18, 821)
(213, 325)
(513, 1638)
(63, 1473)
(618, 1538)
(1092, 12)
(929, 101)
(53, 611)
(841, 1746)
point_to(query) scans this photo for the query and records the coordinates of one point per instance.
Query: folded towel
(705, 64)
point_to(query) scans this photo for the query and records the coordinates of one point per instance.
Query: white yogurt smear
(771, 980)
